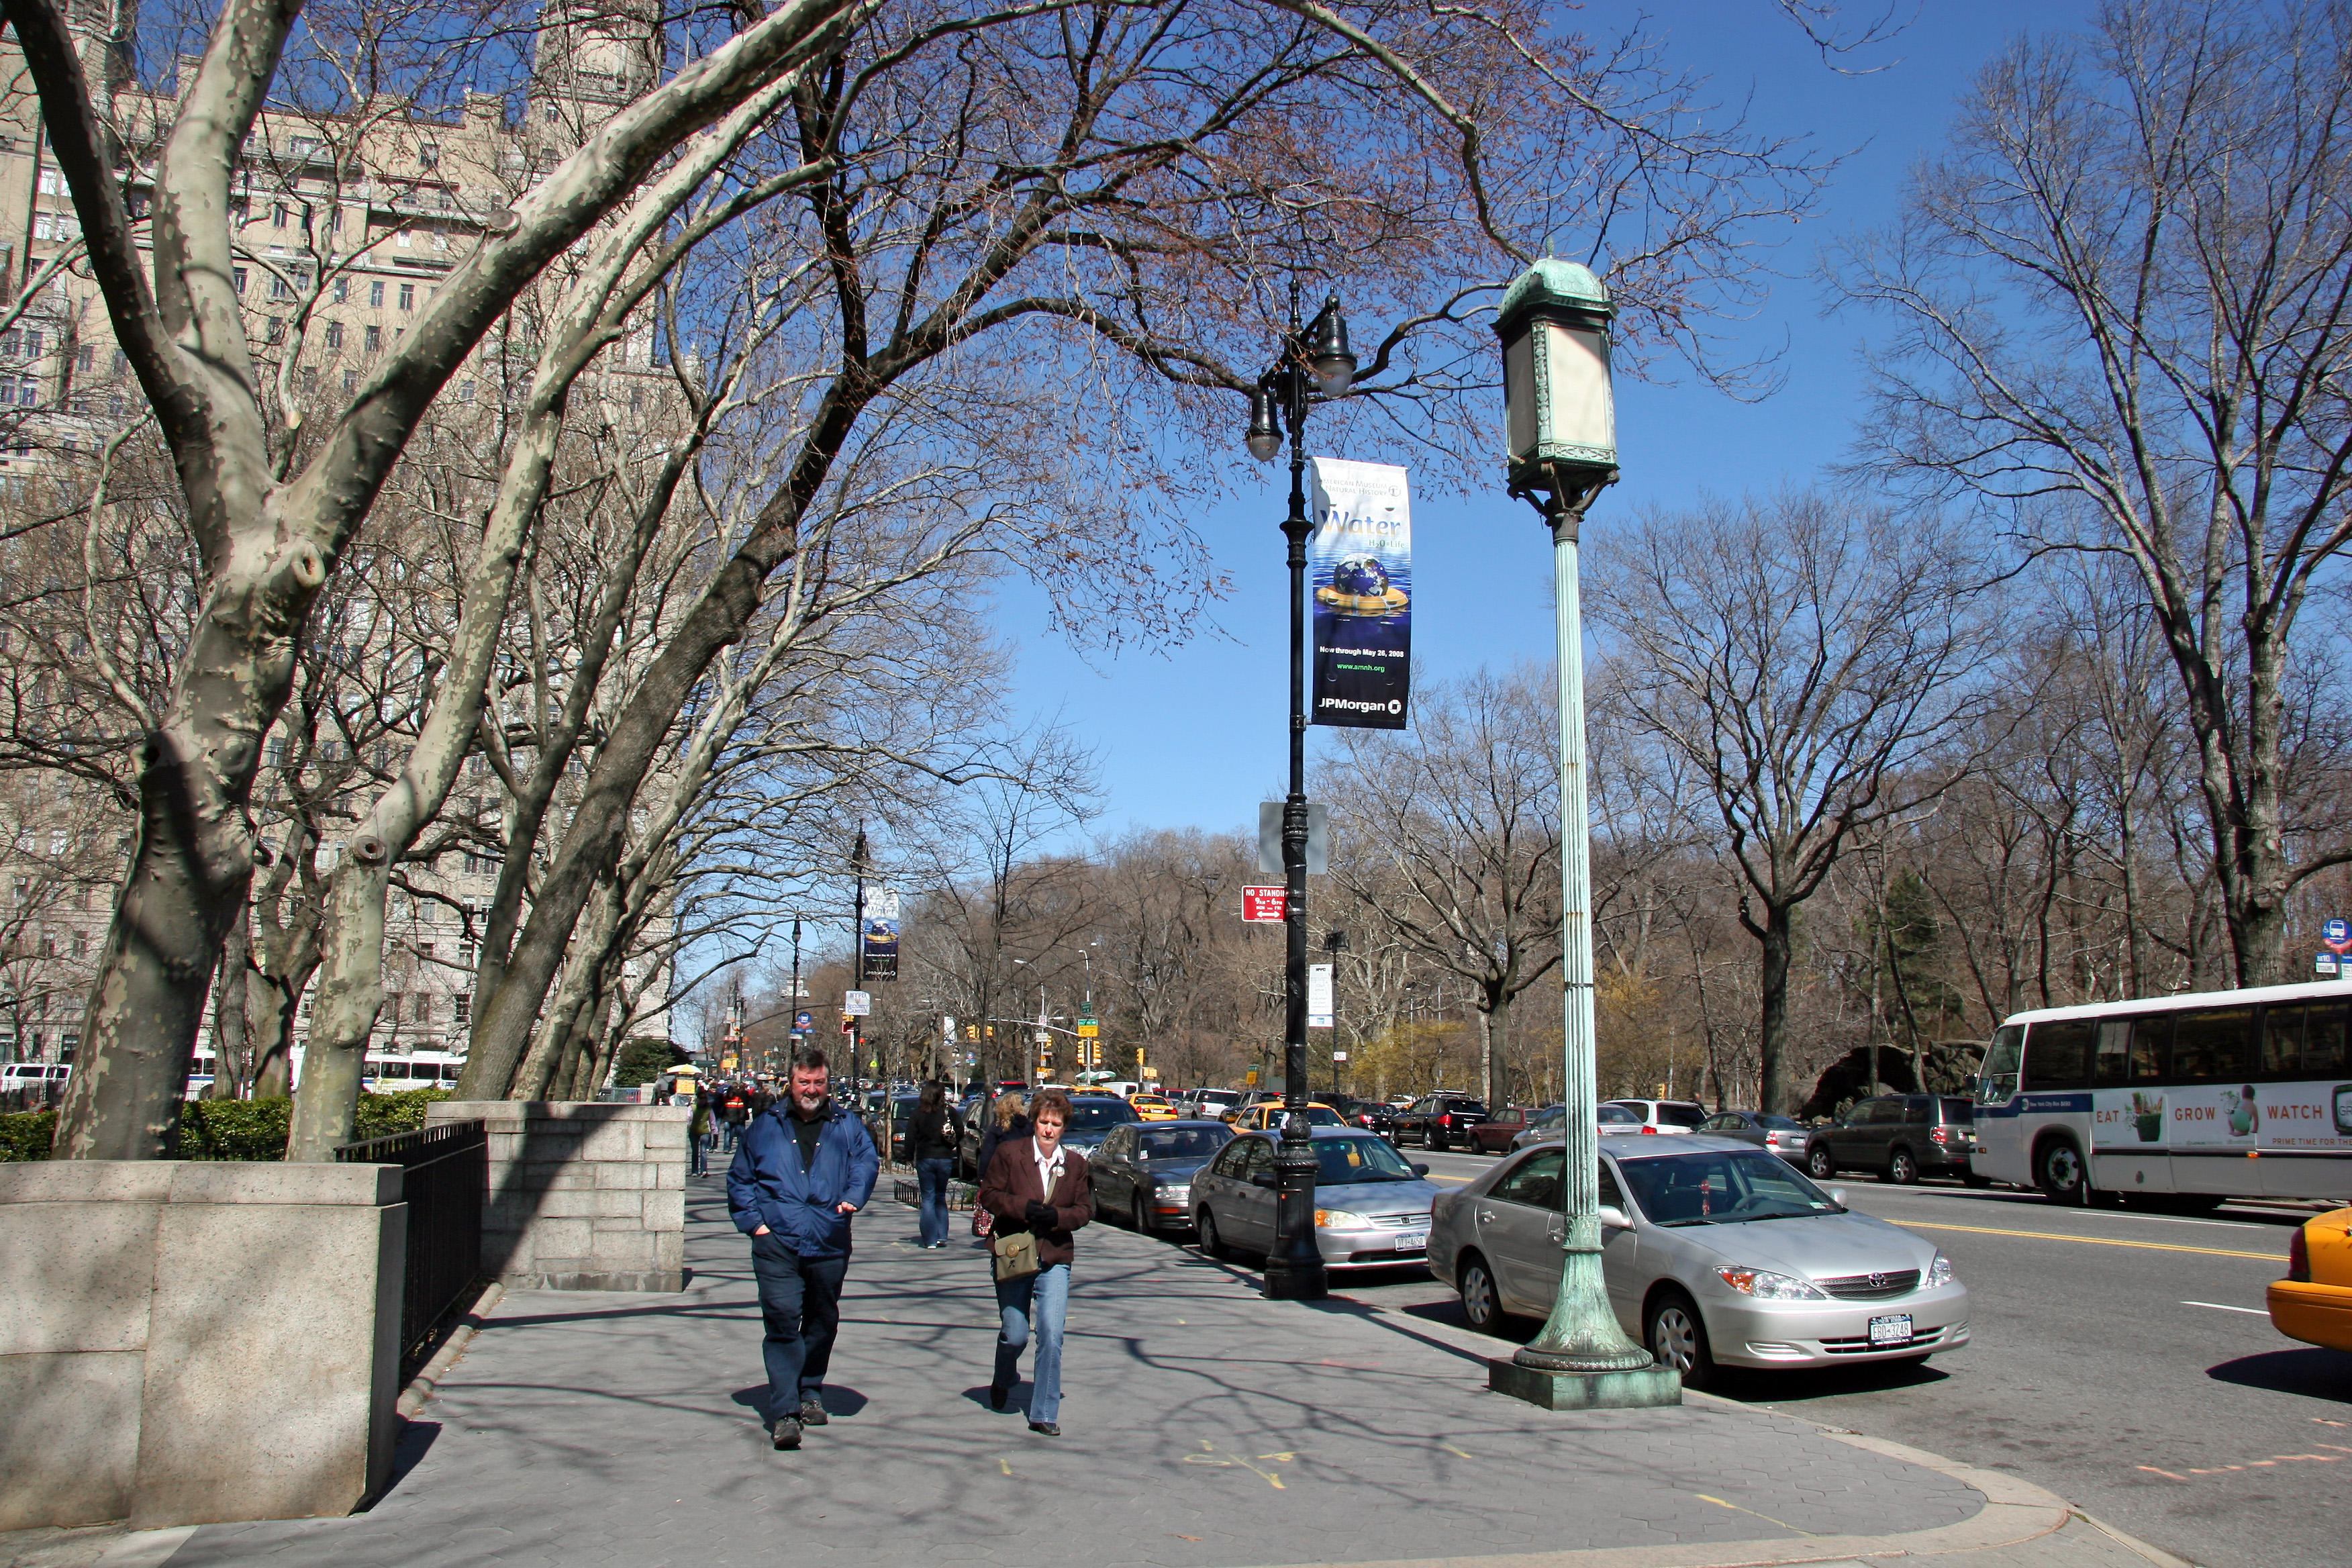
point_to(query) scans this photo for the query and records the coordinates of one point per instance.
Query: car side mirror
(1614, 1218)
(1419, 1169)
(1837, 1197)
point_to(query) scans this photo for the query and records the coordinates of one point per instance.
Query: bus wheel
(2063, 1180)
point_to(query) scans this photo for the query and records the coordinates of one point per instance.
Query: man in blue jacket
(802, 1170)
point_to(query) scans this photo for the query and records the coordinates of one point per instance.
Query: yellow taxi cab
(1265, 1116)
(2313, 1302)
(1154, 1107)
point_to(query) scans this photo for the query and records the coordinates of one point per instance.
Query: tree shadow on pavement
(2314, 1373)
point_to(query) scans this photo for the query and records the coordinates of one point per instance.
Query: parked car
(1496, 1135)
(1691, 1268)
(1143, 1173)
(1438, 1121)
(1783, 1135)
(1666, 1115)
(1266, 1116)
(2313, 1302)
(1373, 1208)
(1610, 1121)
(1899, 1138)
(1092, 1117)
(1371, 1115)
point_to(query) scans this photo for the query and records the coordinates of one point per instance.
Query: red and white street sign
(1262, 904)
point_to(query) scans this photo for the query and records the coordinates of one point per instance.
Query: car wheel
(1902, 1169)
(1480, 1308)
(2063, 1178)
(1677, 1337)
(1819, 1165)
(1204, 1226)
(1437, 1141)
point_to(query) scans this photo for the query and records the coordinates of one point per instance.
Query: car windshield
(1721, 1188)
(1360, 1160)
(1960, 1112)
(1184, 1142)
(1093, 1115)
(1617, 1115)
(1467, 1107)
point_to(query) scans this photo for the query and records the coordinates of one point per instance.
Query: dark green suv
(1899, 1138)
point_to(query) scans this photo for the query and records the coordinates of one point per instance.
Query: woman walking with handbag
(931, 1137)
(1038, 1192)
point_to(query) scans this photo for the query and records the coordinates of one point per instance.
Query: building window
(408, 296)
(375, 294)
(277, 329)
(461, 1007)
(465, 392)
(334, 334)
(342, 290)
(374, 338)
(351, 381)
(237, 274)
(277, 752)
(82, 944)
(429, 156)
(277, 214)
(86, 358)
(310, 380)
(401, 238)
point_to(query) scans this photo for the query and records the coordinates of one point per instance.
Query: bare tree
(1814, 662)
(2124, 297)
(1448, 837)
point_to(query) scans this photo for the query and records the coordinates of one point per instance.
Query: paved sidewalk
(1205, 1428)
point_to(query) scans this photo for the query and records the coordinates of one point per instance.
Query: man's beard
(811, 1108)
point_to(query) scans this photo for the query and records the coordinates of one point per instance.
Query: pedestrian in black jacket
(932, 1134)
(1007, 1119)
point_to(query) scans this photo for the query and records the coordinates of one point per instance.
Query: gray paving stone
(1206, 1428)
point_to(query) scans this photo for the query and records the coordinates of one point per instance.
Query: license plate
(1412, 1241)
(1891, 1330)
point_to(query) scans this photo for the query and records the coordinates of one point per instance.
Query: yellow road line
(2092, 1240)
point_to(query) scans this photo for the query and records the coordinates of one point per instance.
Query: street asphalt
(1206, 1428)
(2128, 1366)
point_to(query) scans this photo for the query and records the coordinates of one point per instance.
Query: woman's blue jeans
(1037, 1303)
(933, 1176)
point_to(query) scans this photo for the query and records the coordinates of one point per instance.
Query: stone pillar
(583, 1194)
(187, 1342)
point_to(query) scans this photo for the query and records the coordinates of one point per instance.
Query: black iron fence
(447, 1167)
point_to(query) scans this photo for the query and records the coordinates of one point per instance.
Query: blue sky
(1194, 736)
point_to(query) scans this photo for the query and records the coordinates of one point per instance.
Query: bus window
(1998, 1083)
(2113, 1063)
(2057, 1054)
(2210, 1044)
(2151, 1046)
(2327, 1040)
(2282, 1049)
(391, 1069)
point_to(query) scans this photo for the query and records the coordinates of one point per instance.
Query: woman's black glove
(1041, 1216)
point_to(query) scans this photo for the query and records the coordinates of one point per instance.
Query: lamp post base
(1644, 1388)
(1294, 1282)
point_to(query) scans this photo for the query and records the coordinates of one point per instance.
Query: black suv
(1899, 1138)
(1438, 1121)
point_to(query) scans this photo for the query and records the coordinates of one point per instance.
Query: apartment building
(346, 225)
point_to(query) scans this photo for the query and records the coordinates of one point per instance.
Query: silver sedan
(1372, 1208)
(1715, 1252)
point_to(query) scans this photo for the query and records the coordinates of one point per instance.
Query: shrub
(24, 1134)
(644, 1059)
(235, 1129)
(381, 1115)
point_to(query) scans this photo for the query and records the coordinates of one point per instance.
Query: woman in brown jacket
(1034, 1185)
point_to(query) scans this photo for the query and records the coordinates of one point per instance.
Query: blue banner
(1359, 569)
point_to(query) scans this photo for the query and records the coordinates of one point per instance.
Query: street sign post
(1263, 905)
(2336, 935)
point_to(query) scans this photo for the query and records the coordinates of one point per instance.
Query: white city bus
(384, 1072)
(2193, 1098)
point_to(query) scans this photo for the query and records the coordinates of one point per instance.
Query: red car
(1494, 1135)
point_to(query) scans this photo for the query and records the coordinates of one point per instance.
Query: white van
(33, 1075)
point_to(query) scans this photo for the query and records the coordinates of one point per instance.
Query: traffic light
(971, 1033)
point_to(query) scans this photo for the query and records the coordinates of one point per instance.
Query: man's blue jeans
(933, 1176)
(800, 1300)
(1036, 1304)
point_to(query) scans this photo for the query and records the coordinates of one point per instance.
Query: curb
(428, 1378)
(2016, 1512)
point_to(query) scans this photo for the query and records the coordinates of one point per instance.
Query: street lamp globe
(1561, 413)
(1265, 437)
(1328, 356)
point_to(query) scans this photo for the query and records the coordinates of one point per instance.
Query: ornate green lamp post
(1562, 425)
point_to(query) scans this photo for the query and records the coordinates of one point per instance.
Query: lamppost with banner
(1561, 424)
(1310, 360)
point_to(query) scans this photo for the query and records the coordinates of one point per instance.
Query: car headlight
(1769, 1286)
(1177, 1192)
(1940, 1272)
(1341, 1220)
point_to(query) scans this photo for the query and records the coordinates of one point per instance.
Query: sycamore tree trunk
(232, 1040)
